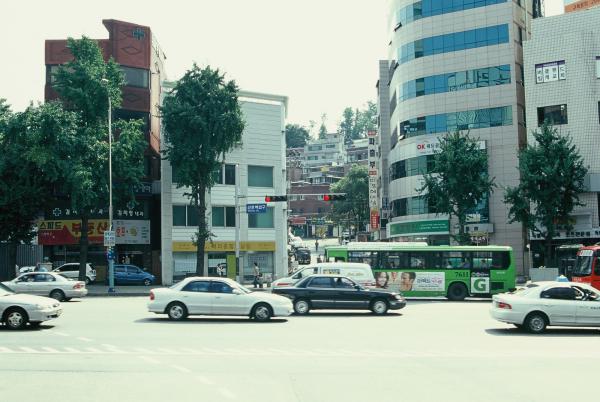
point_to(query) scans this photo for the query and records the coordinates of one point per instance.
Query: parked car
(47, 284)
(126, 274)
(358, 272)
(339, 292)
(16, 310)
(542, 304)
(216, 296)
(71, 270)
(295, 241)
(302, 255)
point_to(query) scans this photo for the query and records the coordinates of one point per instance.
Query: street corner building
(452, 65)
(136, 50)
(261, 171)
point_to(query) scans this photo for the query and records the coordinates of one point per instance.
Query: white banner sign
(132, 232)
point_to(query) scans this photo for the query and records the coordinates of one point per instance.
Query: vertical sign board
(373, 180)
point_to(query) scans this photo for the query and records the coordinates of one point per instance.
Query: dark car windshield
(4, 291)
(583, 265)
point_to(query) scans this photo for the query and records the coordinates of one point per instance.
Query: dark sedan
(338, 292)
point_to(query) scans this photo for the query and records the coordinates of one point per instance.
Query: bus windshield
(583, 266)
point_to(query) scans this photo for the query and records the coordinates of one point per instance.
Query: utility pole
(238, 269)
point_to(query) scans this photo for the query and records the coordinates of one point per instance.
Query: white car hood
(22, 298)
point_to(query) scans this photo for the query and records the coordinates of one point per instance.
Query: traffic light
(334, 197)
(275, 198)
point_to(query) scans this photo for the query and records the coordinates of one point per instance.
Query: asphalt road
(105, 349)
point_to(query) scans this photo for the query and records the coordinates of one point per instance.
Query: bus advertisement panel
(416, 269)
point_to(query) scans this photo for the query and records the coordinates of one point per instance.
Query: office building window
(225, 174)
(597, 67)
(192, 216)
(457, 81)
(315, 147)
(452, 42)
(135, 77)
(548, 72)
(262, 221)
(429, 8)
(412, 167)
(223, 217)
(555, 115)
(179, 215)
(260, 176)
(465, 120)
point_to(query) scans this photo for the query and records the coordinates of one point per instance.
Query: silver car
(47, 284)
(18, 310)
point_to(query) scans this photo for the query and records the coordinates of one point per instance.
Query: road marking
(148, 359)
(51, 350)
(94, 350)
(167, 351)
(28, 350)
(180, 369)
(204, 380)
(5, 350)
(82, 338)
(191, 351)
(227, 393)
(143, 350)
(61, 334)
(212, 351)
(72, 350)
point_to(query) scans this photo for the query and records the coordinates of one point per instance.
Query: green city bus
(416, 269)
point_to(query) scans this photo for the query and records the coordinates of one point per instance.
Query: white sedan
(47, 284)
(18, 310)
(216, 296)
(548, 303)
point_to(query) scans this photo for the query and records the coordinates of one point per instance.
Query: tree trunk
(12, 262)
(83, 247)
(201, 210)
(462, 237)
(548, 252)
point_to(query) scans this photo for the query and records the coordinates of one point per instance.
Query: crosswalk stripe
(28, 350)
(71, 350)
(5, 350)
(94, 350)
(50, 350)
(167, 351)
(143, 350)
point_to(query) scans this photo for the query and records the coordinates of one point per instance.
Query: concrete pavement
(111, 348)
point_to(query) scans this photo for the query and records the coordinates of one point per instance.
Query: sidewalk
(97, 290)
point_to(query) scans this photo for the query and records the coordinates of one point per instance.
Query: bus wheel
(457, 291)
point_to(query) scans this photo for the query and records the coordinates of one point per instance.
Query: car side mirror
(357, 287)
(236, 292)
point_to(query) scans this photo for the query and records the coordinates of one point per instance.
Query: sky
(322, 54)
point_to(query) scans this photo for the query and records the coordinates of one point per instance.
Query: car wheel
(16, 318)
(177, 311)
(58, 294)
(301, 306)
(379, 307)
(87, 281)
(536, 323)
(147, 282)
(457, 291)
(262, 312)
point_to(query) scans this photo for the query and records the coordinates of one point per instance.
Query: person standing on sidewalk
(256, 270)
(317, 245)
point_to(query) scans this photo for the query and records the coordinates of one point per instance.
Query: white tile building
(261, 171)
(562, 72)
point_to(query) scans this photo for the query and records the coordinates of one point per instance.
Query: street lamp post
(111, 256)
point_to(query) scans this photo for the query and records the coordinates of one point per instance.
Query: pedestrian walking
(256, 270)
(317, 245)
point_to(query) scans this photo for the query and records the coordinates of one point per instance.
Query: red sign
(298, 220)
(374, 220)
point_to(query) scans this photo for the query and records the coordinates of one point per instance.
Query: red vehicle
(587, 266)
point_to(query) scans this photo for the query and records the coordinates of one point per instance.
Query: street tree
(296, 135)
(551, 177)
(458, 181)
(354, 209)
(356, 123)
(84, 85)
(203, 121)
(27, 170)
(346, 126)
(323, 127)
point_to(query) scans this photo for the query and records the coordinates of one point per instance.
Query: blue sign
(256, 208)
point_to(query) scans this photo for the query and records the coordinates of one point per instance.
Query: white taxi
(216, 296)
(542, 304)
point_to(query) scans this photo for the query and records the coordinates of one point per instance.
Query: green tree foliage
(323, 127)
(356, 123)
(296, 135)
(84, 85)
(552, 175)
(355, 208)
(459, 182)
(203, 121)
(27, 169)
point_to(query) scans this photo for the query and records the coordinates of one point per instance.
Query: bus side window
(500, 259)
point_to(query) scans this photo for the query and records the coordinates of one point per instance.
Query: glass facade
(556, 114)
(457, 81)
(135, 77)
(412, 167)
(430, 8)
(453, 42)
(466, 120)
(260, 176)
(410, 206)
